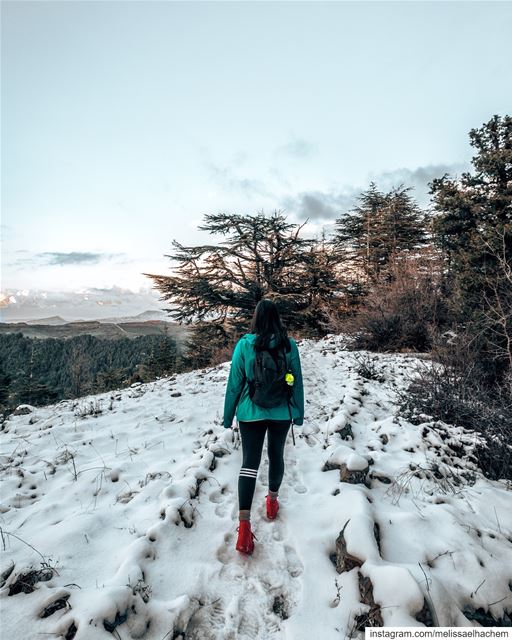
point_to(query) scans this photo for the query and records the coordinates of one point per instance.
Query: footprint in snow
(221, 510)
(221, 497)
(218, 499)
(208, 622)
(294, 480)
(277, 532)
(224, 554)
(295, 566)
(216, 496)
(20, 500)
(248, 628)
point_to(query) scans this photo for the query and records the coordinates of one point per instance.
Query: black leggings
(253, 435)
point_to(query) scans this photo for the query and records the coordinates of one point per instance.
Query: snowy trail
(119, 516)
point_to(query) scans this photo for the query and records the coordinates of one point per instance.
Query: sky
(124, 123)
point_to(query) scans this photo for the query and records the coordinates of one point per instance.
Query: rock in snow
(23, 409)
(123, 523)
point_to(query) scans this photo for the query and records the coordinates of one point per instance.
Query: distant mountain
(121, 328)
(150, 315)
(52, 320)
(145, 316)
(113, 304)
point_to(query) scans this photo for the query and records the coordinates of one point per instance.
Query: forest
(392, 276)
(41, 371)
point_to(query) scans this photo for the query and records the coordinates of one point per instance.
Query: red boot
(272, 508)
(245, 542)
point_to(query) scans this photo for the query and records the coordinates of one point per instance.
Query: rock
(346, 432)
(25, 582)
(380, 478)
(23, 409)
(353, 476)
(353, 467)
(373, 618)
(376, 533)
(425, 615)
(330, 466)
(219, 451)
(484, 618)
(344, 560)
(59, 603)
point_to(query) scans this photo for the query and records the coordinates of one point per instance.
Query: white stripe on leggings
(248, 472)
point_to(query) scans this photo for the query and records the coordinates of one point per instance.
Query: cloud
(297, 148)
(73, 257)
(226, 177)
(115, 290)
(317, 205)
(26, 259)
(417, 178)
(329, 205)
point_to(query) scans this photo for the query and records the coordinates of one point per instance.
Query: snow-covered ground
(119, 514)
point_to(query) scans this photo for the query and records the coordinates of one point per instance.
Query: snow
(130, 498)
(346, 455)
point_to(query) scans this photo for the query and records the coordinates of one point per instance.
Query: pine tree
(403, 227)
(36, 393)
(359, 234)
(474, 229)
(382, 228)
(216, 287)
(161, 361)
(325, 286)
(111, 378)
(5, 381)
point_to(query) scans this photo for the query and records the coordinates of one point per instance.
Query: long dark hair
(266, 322)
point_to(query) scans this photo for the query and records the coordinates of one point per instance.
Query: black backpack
(268, 388)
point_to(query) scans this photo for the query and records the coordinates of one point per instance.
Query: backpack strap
(288, 401)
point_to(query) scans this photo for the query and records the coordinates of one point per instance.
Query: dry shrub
(401, 311)
(456, 389)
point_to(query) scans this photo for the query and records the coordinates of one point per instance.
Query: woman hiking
(266, 392)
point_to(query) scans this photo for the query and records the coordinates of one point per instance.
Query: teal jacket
(237, 391)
